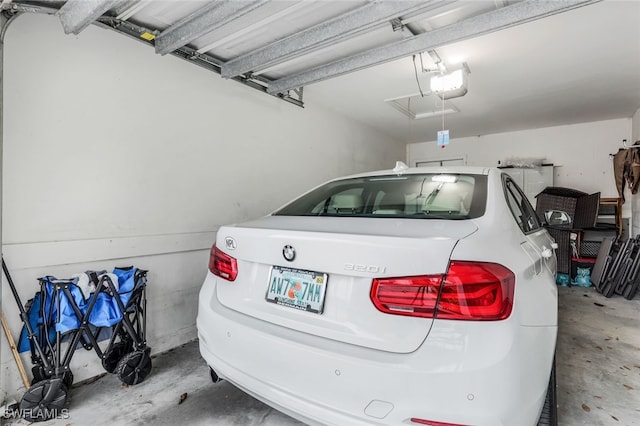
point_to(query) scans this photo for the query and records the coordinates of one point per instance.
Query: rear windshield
(423, 196)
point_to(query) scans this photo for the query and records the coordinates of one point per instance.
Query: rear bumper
(465, 373)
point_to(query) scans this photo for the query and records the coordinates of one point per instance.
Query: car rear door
(539, 243)
(536, 282)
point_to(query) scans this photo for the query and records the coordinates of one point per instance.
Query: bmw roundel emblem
(289, 253)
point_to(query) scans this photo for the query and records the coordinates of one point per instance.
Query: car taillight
(475, 291)
(222, 265)
(414, 296)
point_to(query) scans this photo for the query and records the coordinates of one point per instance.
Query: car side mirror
(556, 217)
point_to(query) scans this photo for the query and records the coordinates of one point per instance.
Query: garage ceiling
(532, 63)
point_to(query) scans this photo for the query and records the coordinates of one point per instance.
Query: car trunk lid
(335, 261)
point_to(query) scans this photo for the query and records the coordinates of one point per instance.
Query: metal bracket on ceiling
(397, 25)
(127, 28)
(296, 98)
(14, 8)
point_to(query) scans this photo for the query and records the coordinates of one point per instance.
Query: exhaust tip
(214, 376)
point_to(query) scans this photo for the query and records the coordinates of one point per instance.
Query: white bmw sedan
(410, 296)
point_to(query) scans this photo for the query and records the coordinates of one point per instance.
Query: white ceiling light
(446, 82)
(450, 85)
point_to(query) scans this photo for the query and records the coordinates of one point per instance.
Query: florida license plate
(298, 289)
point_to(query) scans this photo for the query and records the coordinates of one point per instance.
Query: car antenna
(400, 168)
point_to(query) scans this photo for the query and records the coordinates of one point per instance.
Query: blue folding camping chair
(66, 314)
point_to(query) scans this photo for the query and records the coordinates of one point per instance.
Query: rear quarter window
(523, 213)
(419, 196)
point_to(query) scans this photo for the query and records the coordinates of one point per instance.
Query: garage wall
(114, 155)
(636, 126)
(580, 152)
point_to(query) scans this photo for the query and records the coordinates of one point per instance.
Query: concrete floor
(598, 359)
(598, 373)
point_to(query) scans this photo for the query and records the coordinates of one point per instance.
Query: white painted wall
(636, 127)
(114, 155)
(580, 152)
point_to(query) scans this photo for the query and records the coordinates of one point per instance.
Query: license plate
(298, 289)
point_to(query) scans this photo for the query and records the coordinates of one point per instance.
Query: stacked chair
(617, 267)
